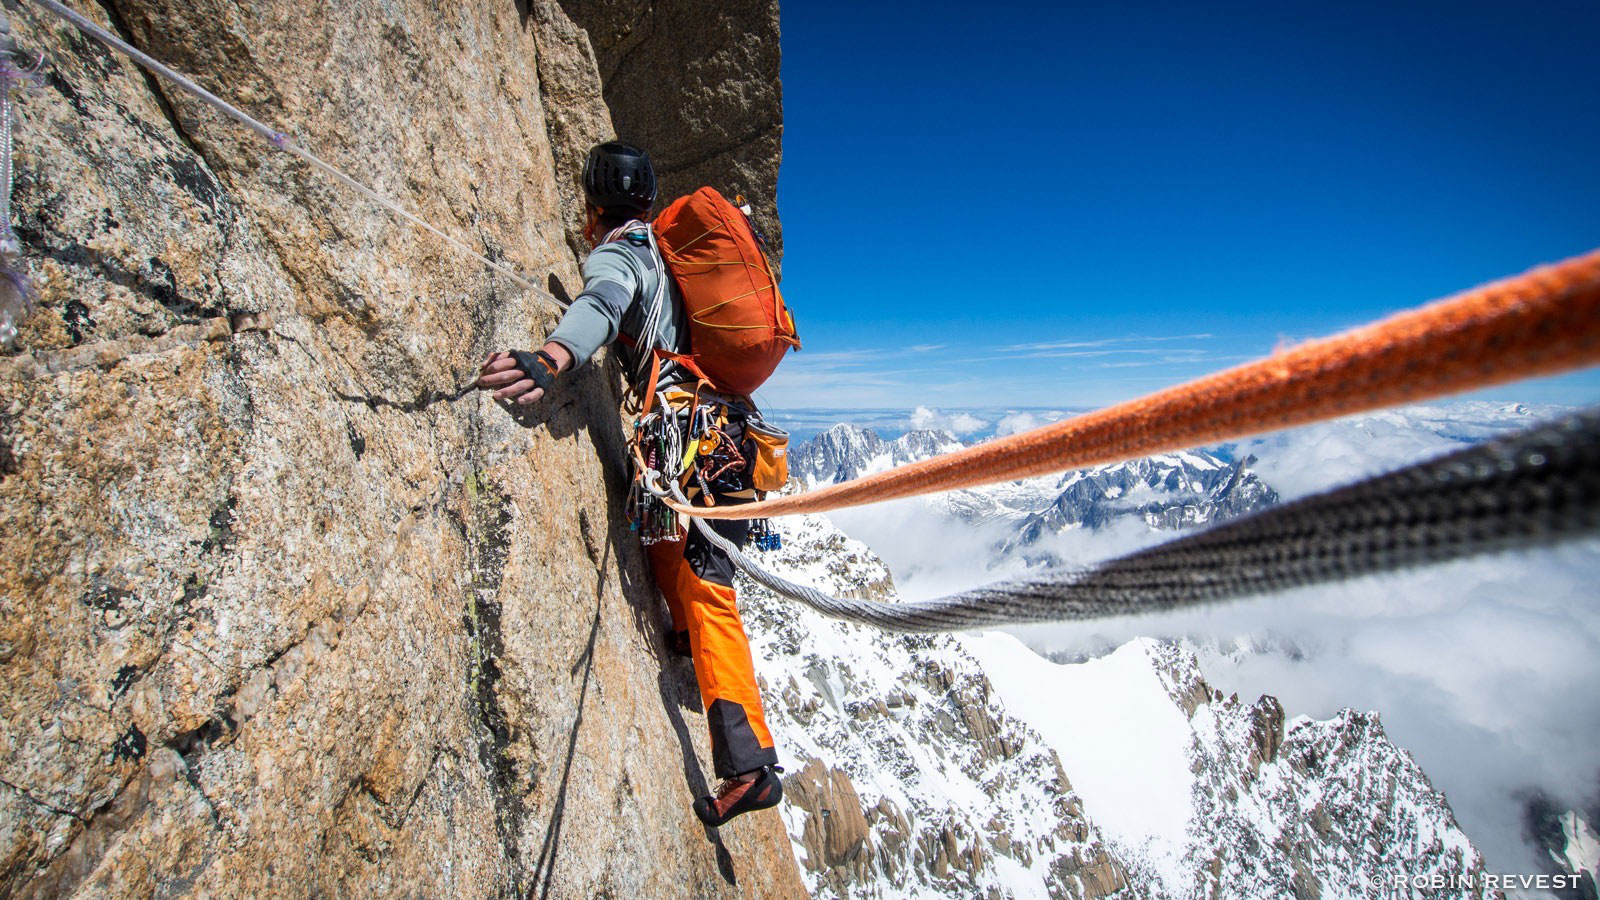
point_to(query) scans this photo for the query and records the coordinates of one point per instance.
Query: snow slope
(926, 766)
(1116, 730)
(956, 797)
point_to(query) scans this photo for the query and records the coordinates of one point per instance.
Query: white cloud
(1102, 342)
(1018, 422)
(956, 423)
(927, 553)
(1300, 461)
(1483, 669)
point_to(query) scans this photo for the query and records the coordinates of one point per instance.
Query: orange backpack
(738, 325)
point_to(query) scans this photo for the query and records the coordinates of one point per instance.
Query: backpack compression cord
(739, 328)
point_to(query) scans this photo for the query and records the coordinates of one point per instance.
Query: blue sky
(1066, 206)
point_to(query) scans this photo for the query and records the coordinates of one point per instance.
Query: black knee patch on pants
(734, 748)
(706, 561)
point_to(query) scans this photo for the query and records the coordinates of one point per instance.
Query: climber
(629, 297)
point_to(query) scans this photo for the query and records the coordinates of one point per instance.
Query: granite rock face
(696, 84)
(836, 833)
(283, 607)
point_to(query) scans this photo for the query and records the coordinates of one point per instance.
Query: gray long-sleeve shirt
(620, 281)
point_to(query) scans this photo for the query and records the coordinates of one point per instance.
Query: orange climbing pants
(697, 581)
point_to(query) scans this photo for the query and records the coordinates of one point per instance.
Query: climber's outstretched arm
(611, 281)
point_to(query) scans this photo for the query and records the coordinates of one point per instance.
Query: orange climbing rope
(1539, 323)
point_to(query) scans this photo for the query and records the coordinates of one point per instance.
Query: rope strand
(1539, 486)
(1538, 323)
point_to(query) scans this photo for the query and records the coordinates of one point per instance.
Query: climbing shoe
(678, 643)
(735, 796)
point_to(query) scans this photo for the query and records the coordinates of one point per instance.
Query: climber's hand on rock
(501, 375)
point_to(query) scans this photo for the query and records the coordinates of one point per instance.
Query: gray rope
(8, 238)
(16, 294)
(1535, 487)
(282, 141)
(5, 167)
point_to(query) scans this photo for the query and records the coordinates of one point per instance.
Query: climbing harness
(1538, 486)
(702, 443)
(1539, 323)
(282, 142)
(657, 447)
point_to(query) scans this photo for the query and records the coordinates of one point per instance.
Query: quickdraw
(657, 448)
(685, 442)
(762, 535)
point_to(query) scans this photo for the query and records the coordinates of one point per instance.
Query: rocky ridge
(908, 777)
(1571, 845)
(1305, 808)
(284, 608)
(1166, 492)
(919, 771)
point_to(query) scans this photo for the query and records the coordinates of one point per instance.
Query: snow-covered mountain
(1569, 838)
(1168, 491)
(908, 778)
(844, 452)
(966, 765)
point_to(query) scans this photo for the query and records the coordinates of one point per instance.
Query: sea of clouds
(1485, 670)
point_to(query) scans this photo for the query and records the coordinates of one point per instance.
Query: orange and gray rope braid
(1538, 323)
(1535, 487)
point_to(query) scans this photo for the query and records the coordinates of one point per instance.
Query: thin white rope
(5, 158)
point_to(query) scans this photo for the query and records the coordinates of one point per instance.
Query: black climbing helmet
(617, 176)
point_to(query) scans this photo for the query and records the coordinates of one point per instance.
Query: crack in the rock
(78, 255)
(361, 786)
(376, 401)
(421, 402)
(485, 527)
(120, 25)
(438, 751)
(311, 629)
(87, 705)
(42, 804)
(202, 654)
(193, 744)
(369, 400)
(676, 166)
(545, 866)
(108, 354)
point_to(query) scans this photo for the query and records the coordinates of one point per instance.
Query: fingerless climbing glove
(539, 366)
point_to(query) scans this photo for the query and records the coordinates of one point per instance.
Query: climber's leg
(666, 559)
(740, 740)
